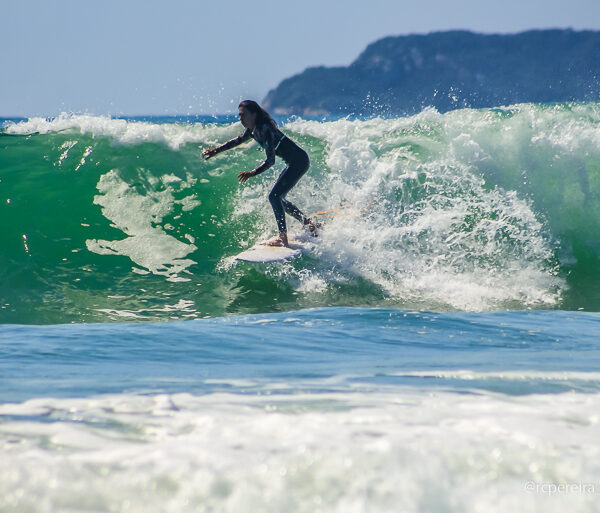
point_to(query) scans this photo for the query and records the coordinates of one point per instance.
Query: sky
(136, 57)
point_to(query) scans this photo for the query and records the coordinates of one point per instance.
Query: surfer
(261, 127)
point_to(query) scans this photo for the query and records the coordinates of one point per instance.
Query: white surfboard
(261, 253)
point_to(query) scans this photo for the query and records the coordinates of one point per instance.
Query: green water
(471, 210)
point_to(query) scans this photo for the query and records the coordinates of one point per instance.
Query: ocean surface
(435, 349)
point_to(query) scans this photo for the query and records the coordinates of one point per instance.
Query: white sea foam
(419, 220)
(139, 216)
(352, 452)
(519, 375)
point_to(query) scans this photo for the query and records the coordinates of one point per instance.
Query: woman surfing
(261, 127)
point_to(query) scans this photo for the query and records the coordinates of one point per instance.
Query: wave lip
(120, 131)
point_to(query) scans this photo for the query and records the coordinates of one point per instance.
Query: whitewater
(435, 349)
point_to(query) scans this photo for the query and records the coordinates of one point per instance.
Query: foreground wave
(108, 219)
(317, 350)
(332, 409)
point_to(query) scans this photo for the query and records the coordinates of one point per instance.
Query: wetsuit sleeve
(235, 142)
(270, 149)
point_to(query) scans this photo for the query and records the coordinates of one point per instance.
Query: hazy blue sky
(184, 56)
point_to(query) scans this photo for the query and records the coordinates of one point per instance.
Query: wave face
(475, 210)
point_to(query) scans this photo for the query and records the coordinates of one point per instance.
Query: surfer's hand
(208, 153)
(244, 175)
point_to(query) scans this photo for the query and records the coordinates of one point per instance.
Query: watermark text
(562, 488)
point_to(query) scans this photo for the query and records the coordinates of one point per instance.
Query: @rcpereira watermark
(562, 488)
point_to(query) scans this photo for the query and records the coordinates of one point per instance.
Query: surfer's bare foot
(280, 240)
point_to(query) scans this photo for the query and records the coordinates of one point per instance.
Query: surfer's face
(247, 118)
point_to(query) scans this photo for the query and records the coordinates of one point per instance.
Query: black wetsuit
(276, 143)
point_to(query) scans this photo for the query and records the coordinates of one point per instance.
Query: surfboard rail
(263, 254)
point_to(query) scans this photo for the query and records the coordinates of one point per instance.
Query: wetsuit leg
(293, 210)
(287, 179)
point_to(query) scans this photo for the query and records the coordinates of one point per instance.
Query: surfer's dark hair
(262, 116)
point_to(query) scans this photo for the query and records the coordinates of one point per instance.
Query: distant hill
(448, 70)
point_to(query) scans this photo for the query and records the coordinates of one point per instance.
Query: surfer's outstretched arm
(211, 152)
(270, 149)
